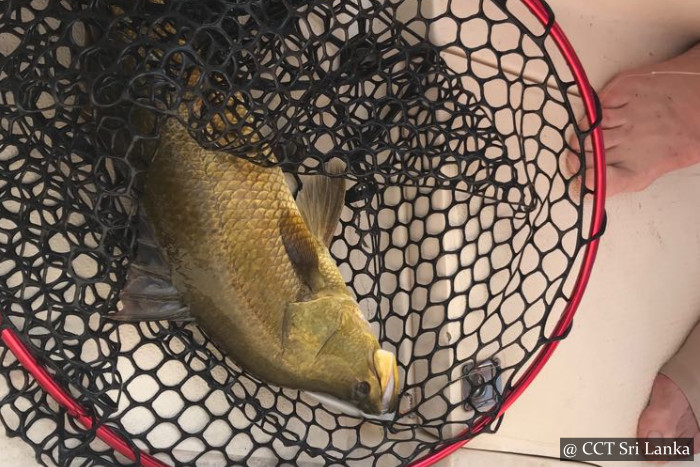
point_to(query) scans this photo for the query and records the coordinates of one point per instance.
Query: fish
(222, 241)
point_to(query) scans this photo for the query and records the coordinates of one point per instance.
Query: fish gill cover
(461, 236)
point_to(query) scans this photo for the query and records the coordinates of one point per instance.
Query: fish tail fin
(135, 309)
(321, 201)
(148, 294)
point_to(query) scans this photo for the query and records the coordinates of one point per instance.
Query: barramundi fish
(224, 241)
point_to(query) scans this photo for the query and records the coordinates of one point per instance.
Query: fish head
(361, 376)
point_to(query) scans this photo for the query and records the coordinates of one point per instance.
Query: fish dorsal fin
(308, 326)
(320, 202)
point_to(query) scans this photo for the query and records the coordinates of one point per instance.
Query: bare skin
(651, 126)
(651, 123)
(668, 414)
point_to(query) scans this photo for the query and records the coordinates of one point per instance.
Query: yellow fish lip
(388, 375)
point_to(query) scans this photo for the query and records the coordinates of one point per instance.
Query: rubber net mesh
(461, 236)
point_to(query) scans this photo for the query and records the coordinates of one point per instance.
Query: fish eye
(362, 389)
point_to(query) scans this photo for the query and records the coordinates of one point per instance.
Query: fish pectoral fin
(321, 200)
(308, 326)
(301, 251)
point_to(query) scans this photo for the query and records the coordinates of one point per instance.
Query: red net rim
(537, 8)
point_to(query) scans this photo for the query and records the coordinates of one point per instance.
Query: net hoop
(593, 114)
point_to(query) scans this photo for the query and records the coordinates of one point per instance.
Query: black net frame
(438, 176)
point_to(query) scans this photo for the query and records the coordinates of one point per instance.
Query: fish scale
(255, 276)
(176, 167)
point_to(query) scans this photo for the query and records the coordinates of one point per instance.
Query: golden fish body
(256, 277)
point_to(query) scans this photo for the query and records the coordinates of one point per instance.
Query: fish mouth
(383, 366)
(347, 408)
(388, 374)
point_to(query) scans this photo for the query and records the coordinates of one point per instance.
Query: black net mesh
(461, 236)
